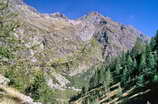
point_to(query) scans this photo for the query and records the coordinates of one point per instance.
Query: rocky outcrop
(3, 80)
(58, 15)
(113, 36)
(11, 96)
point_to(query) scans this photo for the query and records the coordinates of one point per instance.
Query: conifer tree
(102, 75)
(138, 48)
(109, 78)
(118, 68)
(98, 77)
(142, 64)
(125, 76)
(151, 62)
(92, 82)
(155, 79)
(83, 91)
(130, 64)
(156, 40)
(129, 61)
(140, 81)
(152, 44)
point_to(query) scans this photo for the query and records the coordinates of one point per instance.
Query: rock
(7, 93)
(57, 81)
(58, 15)
(3, 80)
(12, 95)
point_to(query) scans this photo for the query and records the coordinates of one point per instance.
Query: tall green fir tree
(138, 48)
(142, 64)
(151, 62)
(109, 78)
(156, 40)
(140, 81)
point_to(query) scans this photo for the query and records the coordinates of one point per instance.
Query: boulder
(3, 80)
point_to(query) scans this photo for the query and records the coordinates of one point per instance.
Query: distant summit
(58, 15)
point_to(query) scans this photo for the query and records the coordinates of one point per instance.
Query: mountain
(129, 79)
(67, 49)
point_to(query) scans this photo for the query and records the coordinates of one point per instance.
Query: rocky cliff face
(65, 47)
(113, 36)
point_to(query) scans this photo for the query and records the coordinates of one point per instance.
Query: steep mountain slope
(64, 48)
(64, 37)
(129, 79)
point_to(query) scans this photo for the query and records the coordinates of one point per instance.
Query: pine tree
(140, 81)
(155, 79)
(123, 59)
(130, 64)
(92, 82)
(151, 62)
(142, 64)
(152, 44)
(125, 76)
(102, 74)
(118, 68)
(109, 78)
(138, 48)
(83, 91)
(148, 48)
(98, 77)
(129, 61)
(156, 40)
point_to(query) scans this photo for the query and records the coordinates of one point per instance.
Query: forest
(135, 71)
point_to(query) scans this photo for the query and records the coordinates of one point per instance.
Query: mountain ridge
(66, 41)
(65, 48)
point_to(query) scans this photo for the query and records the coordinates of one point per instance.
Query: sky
(142, 14)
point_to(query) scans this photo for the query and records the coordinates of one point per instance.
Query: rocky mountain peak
(95, 18)
(58, 15)
(17, 2)
(97, 14)
(20, 7)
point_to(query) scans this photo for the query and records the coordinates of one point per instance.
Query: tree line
(137, 67)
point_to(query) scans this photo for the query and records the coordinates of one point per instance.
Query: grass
(80, 80)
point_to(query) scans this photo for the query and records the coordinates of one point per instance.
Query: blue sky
(142, 14)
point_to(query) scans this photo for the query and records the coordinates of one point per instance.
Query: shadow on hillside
(151, 96)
